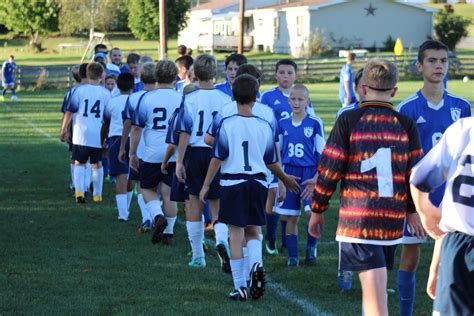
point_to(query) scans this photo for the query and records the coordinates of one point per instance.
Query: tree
(31, 18)
(144, 17)
(450, 28)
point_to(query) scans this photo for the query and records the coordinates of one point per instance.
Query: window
(276, 28)
(299, 25)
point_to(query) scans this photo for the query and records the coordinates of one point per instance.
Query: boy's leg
(87, 177)
(272, 222)
(406, 278)
(311, 244)
(222, 236)
(71, 169)
(237, 263)
(121, 197)
(79, 170)
(130, 185)
(292, 240)
(195, 228)
(153, 206)
(283, 223)
(257, 272)
(374, 291)
(97, 181)
(171, 212)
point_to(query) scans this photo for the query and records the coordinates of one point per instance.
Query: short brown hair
(166, 71)
(147, 73)
(205, 67)
(380, 74)
(75, 73)
(133, 58)
(245, 89)
(249, 69)
(94, 71)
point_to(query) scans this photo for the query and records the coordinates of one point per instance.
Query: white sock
(87, 177)
(129, 199)
(255, 251)
(122, 206)
(247, 266)
(237, 266)
(143, 209)
(71, 168)
(170, 227)
(260, 237)
(196, 236)
(154, 208)
(79, 178)
(97, 180)
(222, 233)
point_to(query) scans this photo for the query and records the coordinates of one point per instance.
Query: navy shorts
(178, 194)
(196, 170)
(115, 166)
(85, 153)
(151, 175)
(455, 286)
(361, 257)
(134, 175)
(243, 204)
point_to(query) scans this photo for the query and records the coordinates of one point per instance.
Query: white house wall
(264, 31)
(199, 23)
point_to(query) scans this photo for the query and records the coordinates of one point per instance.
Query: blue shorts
(272, 180)
(361, 257)
(134, 175)
(115, 166)
(243, 204)
(151, 175)
(196, 170)
(84, 153)
(455, 286)
(292, 203)
(178, 194)
(8, 82)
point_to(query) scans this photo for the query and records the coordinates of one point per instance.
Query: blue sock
(13, 91)
(283, 234)
(4, 92)
(272, 223)
(406, 282)
(311, 241)
(105, 165)
(292, 244)
(207, 212)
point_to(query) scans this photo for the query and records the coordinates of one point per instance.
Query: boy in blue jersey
(358, 82)
(133, 64)
(232, 63)
(302, 141)
(7, 75)
(433, 109)
(243, 162)
(346, 90)
(183, 63)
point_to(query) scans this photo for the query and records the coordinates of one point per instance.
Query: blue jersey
(66, 99)
(277, 100)
(139, 86)
(346, 75)
(124, 68)
(433, 120)
(226, 88)
(180, 83)
(349, 107)
(301, 143)
(8, 70)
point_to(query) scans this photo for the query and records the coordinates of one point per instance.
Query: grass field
(61, 258)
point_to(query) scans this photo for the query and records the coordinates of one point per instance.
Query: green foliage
(450, 28)
(144, 17)
(388, 44)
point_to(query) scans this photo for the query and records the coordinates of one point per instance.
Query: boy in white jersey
(113, 128)
(86, 109)
(244, 148)
(196, 114)
(152, 115)
(451, 280)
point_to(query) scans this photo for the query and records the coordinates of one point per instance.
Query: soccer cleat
(121, 219)
(344, 280)
(223, 252)
(80, 198)
(14, 98)
(293, 261)
(270, 247)
(160, 225)
(168, 239)
(144, 227)
(97, 198)
(197, 263)
(257, 281)
(311, 255)
(238, 294)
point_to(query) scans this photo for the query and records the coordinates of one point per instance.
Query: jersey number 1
(247, 166)
(382, 162)
(94, 109)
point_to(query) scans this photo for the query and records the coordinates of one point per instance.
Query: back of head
(145, 59)
(75, 73)
(250, 70)
(94, 71)
(430, 44)
(239, 59)
(184, 61)
(125, 82)
(205, 67)
(380, 74)
(100, 48)
(166, 71)
(245, 89)
(147, 73)
(351, 56)
(181, 50)
(83, 70)
(286, 61)
(358, 76)
(133, 58)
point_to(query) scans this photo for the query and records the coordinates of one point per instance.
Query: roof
(215, 5)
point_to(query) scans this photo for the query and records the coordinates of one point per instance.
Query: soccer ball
(465, 79)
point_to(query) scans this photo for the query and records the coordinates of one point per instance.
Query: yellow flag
(398, 49)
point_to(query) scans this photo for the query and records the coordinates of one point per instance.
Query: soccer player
(232, 63)
(86, 109)
(243, 161)
(183, 63)
(8, 77)
(182, 50)
(346, 90)
(358, 82)
(302, 142)
(111, 85)
(116, 59)
(451, 279)
(113, 128)
(134, 68)
(195, 117)
(433, 109)
(373, 149)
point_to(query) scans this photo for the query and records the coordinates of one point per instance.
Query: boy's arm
(182, 145)
(214, 166)
(433, 276)
(168, 153)
(64, 135)
(127, 124)
(429, 214)
(135, 139)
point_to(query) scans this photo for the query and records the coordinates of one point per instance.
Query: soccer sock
(122, 206)
(255, 251)
(129, 199)
(272, 223)
(206, 212)
(170, 228)
(154, 208)
(260, 237)
(79, 179)
(4, 91)
(196, 236)
(13, 91)
(283, 234)
(247, 266)
(97, 180)
(222, 233)
(292, 244)
(141, 203)
(87, 177)
(238, 273)
(71, 168)
(406, 291)
(311, 241)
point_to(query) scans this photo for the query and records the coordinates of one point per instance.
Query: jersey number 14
(95, 109)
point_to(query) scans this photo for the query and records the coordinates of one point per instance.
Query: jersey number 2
(382, 162)
(161, 117)
(94, 109)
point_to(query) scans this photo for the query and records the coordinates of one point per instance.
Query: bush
(450, 28)
(389, 44)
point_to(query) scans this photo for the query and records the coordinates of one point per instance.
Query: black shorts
(135, 175)
(85, 153)
(178, 194)
(115, 166)
(196, 170)
(151, 175)
(243, 204)
(361, 257)
(455, 286)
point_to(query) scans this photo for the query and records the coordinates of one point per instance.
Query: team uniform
(225, 87)
(349, 107)
(180, 83)
(278, 101)
(8, 71)
(139, 85)
(346, 76)
(452, 160)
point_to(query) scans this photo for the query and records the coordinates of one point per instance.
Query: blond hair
(380, 74)
(300, 87)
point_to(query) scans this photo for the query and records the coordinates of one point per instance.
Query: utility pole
(163, 32)
(240, 47)
(91, 30)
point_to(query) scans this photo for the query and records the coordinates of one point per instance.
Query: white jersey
(113, 114)
(451, 160)
(88, 103)
(115, 92)
(152, 114)
(245, 144)
(130, 108)
(200, 106)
